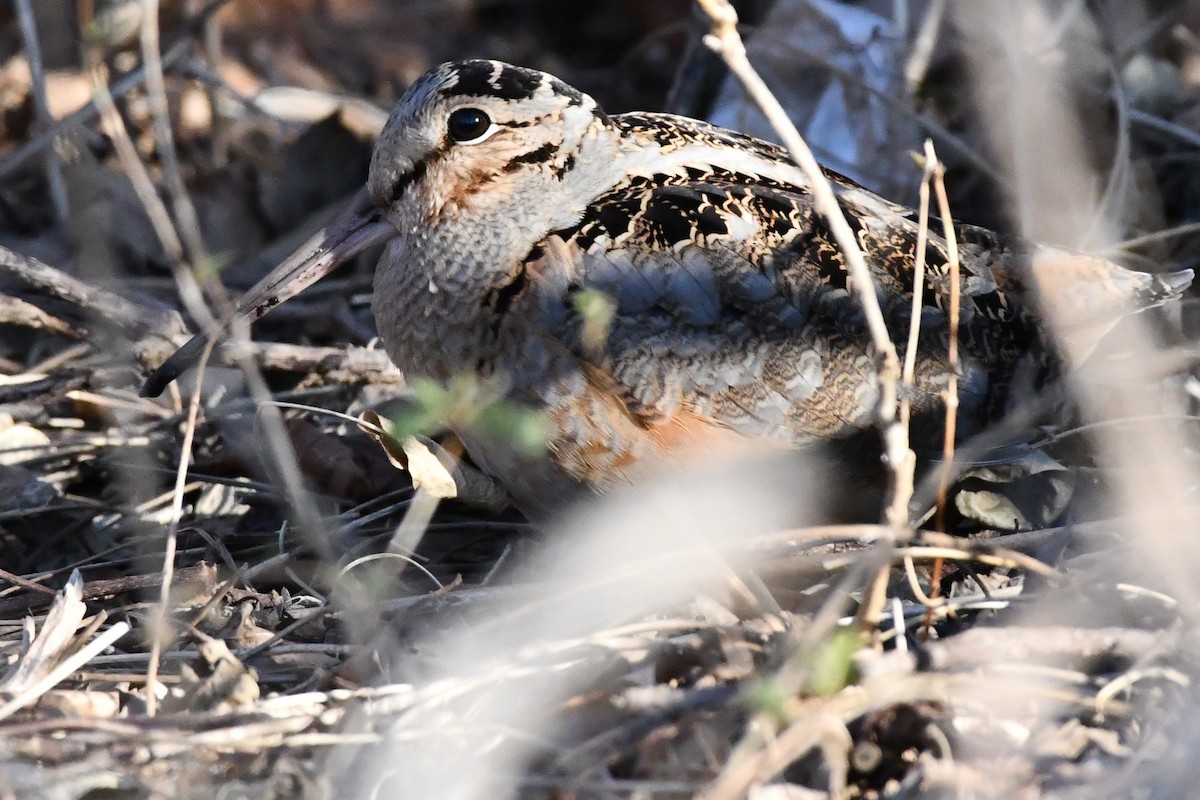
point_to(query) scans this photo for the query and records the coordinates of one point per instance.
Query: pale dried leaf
(18, 442)
(89, 703)
(53, 641)
(428, 471)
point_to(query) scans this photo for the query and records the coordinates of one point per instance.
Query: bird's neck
(444, 280)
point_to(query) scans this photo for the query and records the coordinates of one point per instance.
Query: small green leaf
(526, 429)
(598, 311)
(209, 267)
(470, 403)
(768, 697)
(832, 663)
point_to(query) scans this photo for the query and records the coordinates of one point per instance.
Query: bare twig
(332, 365)
(951, 398)
(143, 186)
(923, 46)
(33, 53)
(910, 352)
(159, 628)
(1186, 229)
(164, 139)
(211, 35)
(914, 326)
(952, 265)
(930, 601)
(899, 457)
(15, 311)
(1148, 120)
(131, 163)
(131, 318)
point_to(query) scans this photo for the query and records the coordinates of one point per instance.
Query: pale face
(477, 163)
(466, 135)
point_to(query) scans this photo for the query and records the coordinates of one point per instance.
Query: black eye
(466, 124)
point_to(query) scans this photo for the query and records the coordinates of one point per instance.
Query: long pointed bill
(361, 225)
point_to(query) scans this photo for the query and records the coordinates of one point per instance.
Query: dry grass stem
(133, 167)
(898, 456)
(160, 627)
(164, 138)
(946, 470)
(54, 175)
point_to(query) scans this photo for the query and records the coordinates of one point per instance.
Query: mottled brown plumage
(511, 196)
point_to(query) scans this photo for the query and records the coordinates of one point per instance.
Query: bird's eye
(469, 125)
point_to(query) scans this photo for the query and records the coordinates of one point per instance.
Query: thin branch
(917, 66)
(164, 139)
(37, 73)
(135, 170)
(1186, 229)
(914, 326)
(1148, 120)
(951, 398)
(898, 456)
(129, 317)
(143, 186)
(946, 471)
(159, 627)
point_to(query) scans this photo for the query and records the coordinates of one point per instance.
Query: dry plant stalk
(167, 235)
(951, 399)
(914, 328)
(898, 456)
(159, 627)
(278, 447)
(164, 137)
(54, 173)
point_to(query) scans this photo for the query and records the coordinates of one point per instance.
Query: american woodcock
(507, 194)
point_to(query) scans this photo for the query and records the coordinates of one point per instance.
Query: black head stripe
(539, 156)
(483, 79)
(571, 92)
(414, 175)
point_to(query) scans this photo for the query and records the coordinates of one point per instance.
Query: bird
(511, 203)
